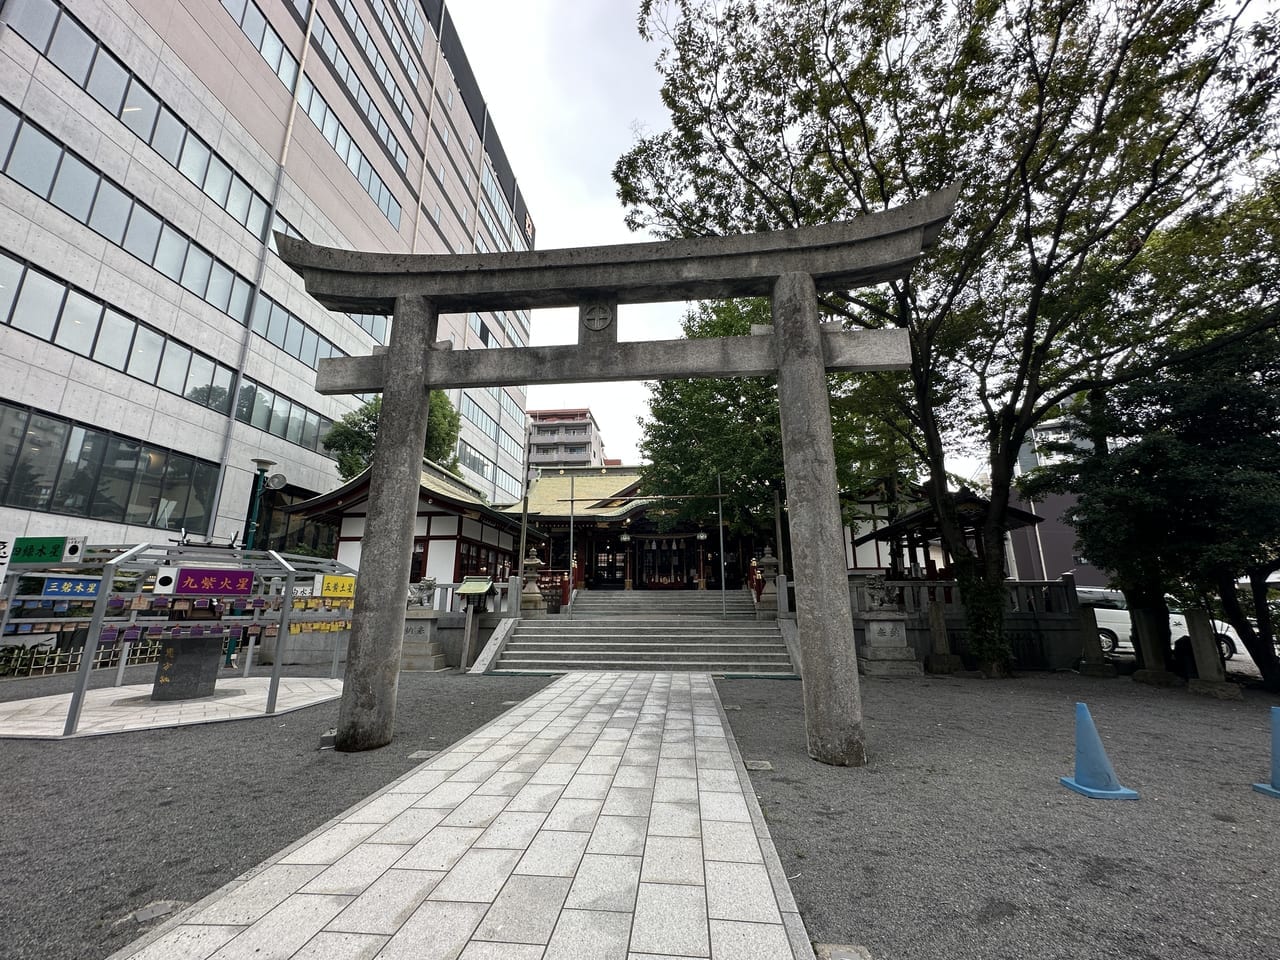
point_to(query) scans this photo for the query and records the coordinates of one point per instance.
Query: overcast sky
(567, 82)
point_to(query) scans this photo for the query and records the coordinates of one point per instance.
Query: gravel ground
(97, 828)
(957, 840)
(954, 841)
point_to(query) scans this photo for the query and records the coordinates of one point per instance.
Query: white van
(1115, 630)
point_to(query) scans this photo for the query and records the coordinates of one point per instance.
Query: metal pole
(573, 571)
(524, 526)
(91, 642)
(777, 529)
(259, 483)
(286, 609)
(724, 603)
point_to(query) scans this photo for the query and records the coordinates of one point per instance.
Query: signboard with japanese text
(73, 549)
(332, 586)
(39, 549)
(6, 550)
(213, 582)
(70, 587)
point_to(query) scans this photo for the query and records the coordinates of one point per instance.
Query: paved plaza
(604, 817)
(130, 707)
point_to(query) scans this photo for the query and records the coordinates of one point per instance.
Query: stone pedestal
(1211, 677)
(422, 651)
(1095, 662)
(188, 668)
(886, 652)
(1154, 673)
(940, 659)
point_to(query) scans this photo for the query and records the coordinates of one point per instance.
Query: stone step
(704, 666)
(629, 631)
(422, 656)
(597, 650)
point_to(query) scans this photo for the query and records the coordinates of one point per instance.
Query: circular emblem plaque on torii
(597, 316)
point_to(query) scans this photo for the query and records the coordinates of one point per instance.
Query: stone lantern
(532, 606)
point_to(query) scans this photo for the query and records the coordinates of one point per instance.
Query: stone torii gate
(789, 266)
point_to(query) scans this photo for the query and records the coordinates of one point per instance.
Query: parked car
(1115, 630)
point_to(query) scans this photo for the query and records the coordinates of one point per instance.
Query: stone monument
(885, 652)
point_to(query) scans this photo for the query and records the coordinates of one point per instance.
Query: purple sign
(213, 582)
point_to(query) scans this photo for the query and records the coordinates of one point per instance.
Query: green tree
(352, 437)
(1078, 129)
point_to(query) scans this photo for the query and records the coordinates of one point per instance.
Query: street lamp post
(259, 482)
(626, 555)
(702, 568)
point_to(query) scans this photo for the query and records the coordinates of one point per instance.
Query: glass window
(288, 71)
(144, 230)
(38, 305)
(114, 340)
(271, 49)
(173, 368)
(244, 401)
(139, 113)
(204, 481)
(239, 304)
(256, 220)
(293, 337)
(217, 181)
(171, 509)
(38, 460)
(195, 160)
(279, 416)
(195, 272)
(145, 356)
(34, 160)
(219, 289)
(263, 401)
(144, 497)
(261, 314)
(8, 127)
(220, 394)
(72, 50)
(171, 252)
(75, 186)
(79, 323)
(235, 8)
(108, 82)
(10, 276)
(253, 25)
(311, 430)
(33, 19)
(297, 419)
(110, 211)
(13, 427)
(310, 343)
(277, 324)
(168, 136)
(200, 380)
(78, 478)
(119, 463)
(238, 199)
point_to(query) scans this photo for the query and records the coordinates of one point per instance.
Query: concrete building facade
(564, 438)
(152, 345)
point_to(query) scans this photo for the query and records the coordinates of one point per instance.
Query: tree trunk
(1260, 643)
(984, 604)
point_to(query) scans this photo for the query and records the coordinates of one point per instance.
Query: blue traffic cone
(1094, 776)
(1272, 789)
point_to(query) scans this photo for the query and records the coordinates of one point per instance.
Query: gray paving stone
(436, 931)
(410, 826)
(589, 935)
(635, 777)
(187, 942)
(675, 790)
(477, 950)
(420, 782)
(357, 869)
(477, 877)
(569, 755)
(252, 899)
(740, 891)
(599, 765)
(554, 854)
(512, 830)
(589, 786)
(573, 814)
(554, 771)
(619, 835)
(715, 761)
(635, 756)
(628, 802)
(675, 751)
(673, 860)
(341, 946)
(382, 809)
(523, 763)
(725, 840)
(331, 845)
(387, 903)
(676, 767)
(440, 849)
(608, 748)
(749, 941)
(526, 910)
(675, 820)
(721, 780)
(477, 771)
(671, 919)
(724, 806)
(455, 759)
(502, 784)
(284, 930)
(605, 882)
(477, 811)
(536, 796)
(449, 794)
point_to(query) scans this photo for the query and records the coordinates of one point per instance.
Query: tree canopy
(352, 438)
(1077, 128)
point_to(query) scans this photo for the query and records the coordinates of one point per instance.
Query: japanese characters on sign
(39, 549)
(332, 586)
(70, 587)
(213, 582)
(6, 550)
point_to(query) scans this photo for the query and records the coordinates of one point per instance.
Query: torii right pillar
(824, 622)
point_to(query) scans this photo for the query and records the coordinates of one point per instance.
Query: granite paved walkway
(608, 817)
(119, 709)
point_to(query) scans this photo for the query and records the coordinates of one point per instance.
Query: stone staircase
(650, 630)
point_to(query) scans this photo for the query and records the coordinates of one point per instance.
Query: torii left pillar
(367, 716)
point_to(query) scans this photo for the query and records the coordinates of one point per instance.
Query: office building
(152, 345)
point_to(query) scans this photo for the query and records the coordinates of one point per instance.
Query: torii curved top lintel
(852, 253)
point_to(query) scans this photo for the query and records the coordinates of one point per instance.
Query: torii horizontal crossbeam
(754, 356)
(839, 256)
